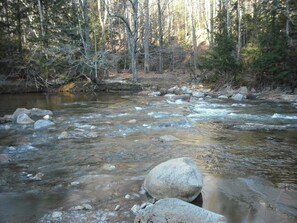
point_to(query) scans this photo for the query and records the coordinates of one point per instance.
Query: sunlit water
(246, 152)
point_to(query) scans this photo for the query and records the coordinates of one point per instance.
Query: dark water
(247, 153)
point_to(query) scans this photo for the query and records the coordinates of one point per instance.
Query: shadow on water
(102, 146)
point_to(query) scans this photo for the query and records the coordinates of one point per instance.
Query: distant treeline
(51, 42)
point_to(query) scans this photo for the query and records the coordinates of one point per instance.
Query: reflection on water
(102, 146)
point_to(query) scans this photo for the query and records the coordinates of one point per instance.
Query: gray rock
(63, 135)
(223, 97)
(163, 91)
(155, 93)
(57, 214)
(183, 97)
(172, 210)
(92, 135)
(24, 119)
(5, 158)
(198, 94)
(19, 111)
(175, 178)
(135, 209)
(5, 119)
(108, 166)
(42, 123)
(40, 112)
(186, 90)
(238, 97)
(243, 90)
(174, 90)
(38, 176)
(168, 138)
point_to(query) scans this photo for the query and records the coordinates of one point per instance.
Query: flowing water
(102, 146)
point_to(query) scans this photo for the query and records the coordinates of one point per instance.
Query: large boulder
(172, 210)
(175, 178)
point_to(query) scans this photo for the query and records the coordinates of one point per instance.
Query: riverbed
(90, 165)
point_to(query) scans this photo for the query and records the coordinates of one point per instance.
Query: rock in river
(24, 119)
(4, 158)
(172, 210)
(42, 123)
(175, 178)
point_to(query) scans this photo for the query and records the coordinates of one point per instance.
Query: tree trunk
(41, 19)
(134, 40)
(87, 39)
(194, 37)
(239, 41)
(288, 21)
(101, 4)
(160, 38)
(146, 37)
(19, 29)
(228, 17)
(211, 42)
(170, 38)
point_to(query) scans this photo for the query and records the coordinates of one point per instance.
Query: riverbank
(121, 82)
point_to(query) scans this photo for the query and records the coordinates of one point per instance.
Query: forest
(53, 42)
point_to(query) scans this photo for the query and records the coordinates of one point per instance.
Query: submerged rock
(175, 178)
(40, 112)
(42, 123)
(63, 135)
(172, 210)
(5, 158)
(168, 138)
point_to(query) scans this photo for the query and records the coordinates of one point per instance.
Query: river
(102, 146)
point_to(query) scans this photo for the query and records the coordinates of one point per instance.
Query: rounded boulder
(175, 178)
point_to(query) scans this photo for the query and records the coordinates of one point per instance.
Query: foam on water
(284, 116)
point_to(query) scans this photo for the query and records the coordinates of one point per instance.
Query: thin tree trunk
(239, 41)
(146, 37)
(112, 44)
(211, 22)
(170, 39)
(160, 38)
(41, 19)
(288, 21)
(194, 37)
(87, 39)
(228, 17)
(134, 41)
(102, 18)
(95, 58)
(19, 29)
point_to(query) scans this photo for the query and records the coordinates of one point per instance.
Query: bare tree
(146, 37)
(41, 19)
(131, 25)
(84, 6)
(160, 16)
(193, 29)
(239, 33)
